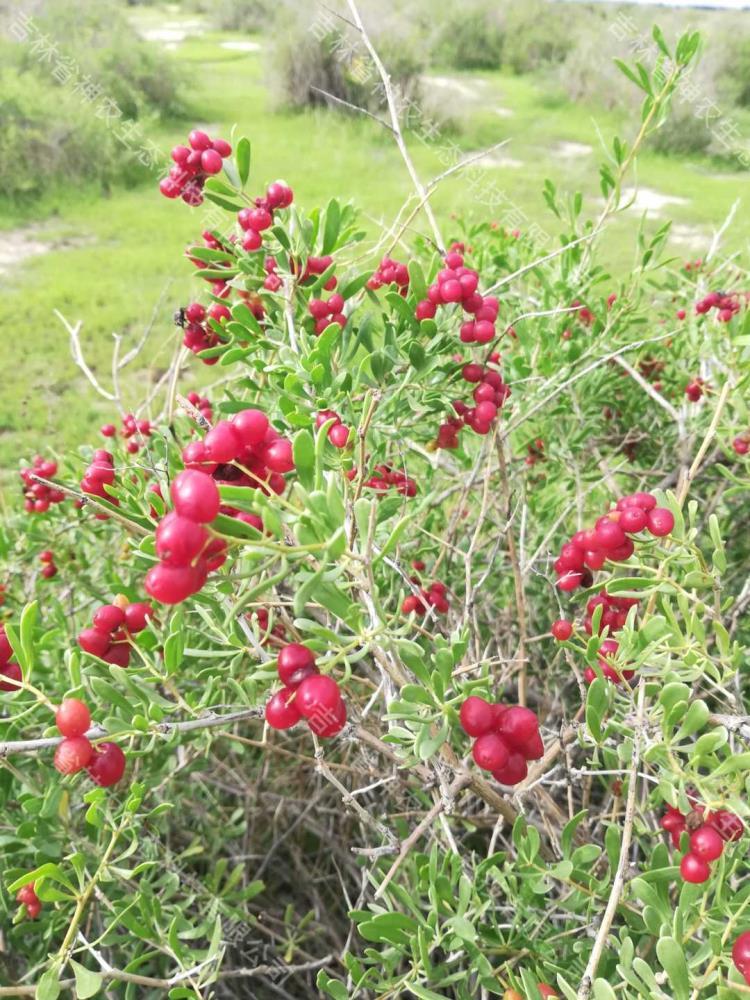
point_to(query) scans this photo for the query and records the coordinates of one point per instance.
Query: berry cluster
(391, 272)
(325, 312)
(130, 428)
(741, 443)
(112, 625)
(505, 738)
(37, 496)
(201, 404)
(243, 451)
(263, 619)
(456, 283)
(535, 452)
(588, 550)
(314, 267)
(307, 694)
(9, 669)
(200, 334)
(726, 305)
(186, 550)
(434, 596)
(27, 897)
(708, 833)
(489, 395)
(105, 763)
(192, 165)
(694, 389)
(741, 955)
(47, 559)
(254, 221)
(338, 433)
(384, 477)
(98, 476)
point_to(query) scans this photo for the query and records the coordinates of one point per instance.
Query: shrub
(471, 37)
(480, 563)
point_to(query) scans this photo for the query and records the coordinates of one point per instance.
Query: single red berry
(73, 754)
(317, 695)
(179, 540)
(490, 752)
(278, 456)
(518, 725)
(295, 663)
(211, 161)
(707, 843)
(222, 147)
(281, 711)
(118, 654)
(12, 673)
(94, 641)
(223, 443)
(514, 771)
(633, 519)
(137, 616)
(338, 435)
(729, 825)
(195, 496)
(173, 584)
(108, 618)
(562, 629)
(741, 952)
(251, 426)
(694, 869)
(46, 556)
(73, 718)
(660, 521)
(477, 716)
(199, 140)
(107, 764)
(329, 723)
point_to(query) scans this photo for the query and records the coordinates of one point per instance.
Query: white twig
(75, 350)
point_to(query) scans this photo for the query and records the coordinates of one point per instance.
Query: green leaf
(242, 158)
(48, 987)
(88, 983)
(304, 458)
(332, 226)
(333, 987)
(672, 958)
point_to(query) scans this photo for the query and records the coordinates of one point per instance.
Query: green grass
(132, 254)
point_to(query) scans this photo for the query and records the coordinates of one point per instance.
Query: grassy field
(115, 262)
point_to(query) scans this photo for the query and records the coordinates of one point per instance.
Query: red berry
(295, 663)
(477, 716)
(490, 752)
(73, 718)
(199, 140)
(707, 843)
(94, 641)
(195, 496)
(317, 695)
(338, 435)
(328, 724)
(741, 952)
(633, 519)
(172, 584)
(281, 711)
(118, 654)
(73, 754)
(694, 869)
(278, 456)
(107, 765)
(179, 541)
(137, 615)
(108, 430)
(518, 725)
(211, 161)
(562, 629)
(108, 618)
(12, 672)
(222, 147)
(729, 825)
(223, 443)
(514, 771)
(660, 521)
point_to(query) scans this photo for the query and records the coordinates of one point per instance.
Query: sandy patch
(491, 161)
(461, 87)
(242, 46)
(19, 245)
(571, 150)
(171, 33)
(690, 236)
(649, 201)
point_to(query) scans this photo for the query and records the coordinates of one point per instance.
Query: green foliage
(383, 863)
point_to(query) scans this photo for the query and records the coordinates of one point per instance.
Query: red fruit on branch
(514, 771)
(295, 663)
(660, 521)
(107, 764)
(173, 584)
(94, 641)
(694, 869)
(195, 496)
(281, 711)
(328, 723)
(317, 695)
(518, 725)
(73, 718)
(73, 754)
(707, 843)
(477, 716)
(562, 629)
(741, 953)
(108, 618)
(490, 752)
(179, 541)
